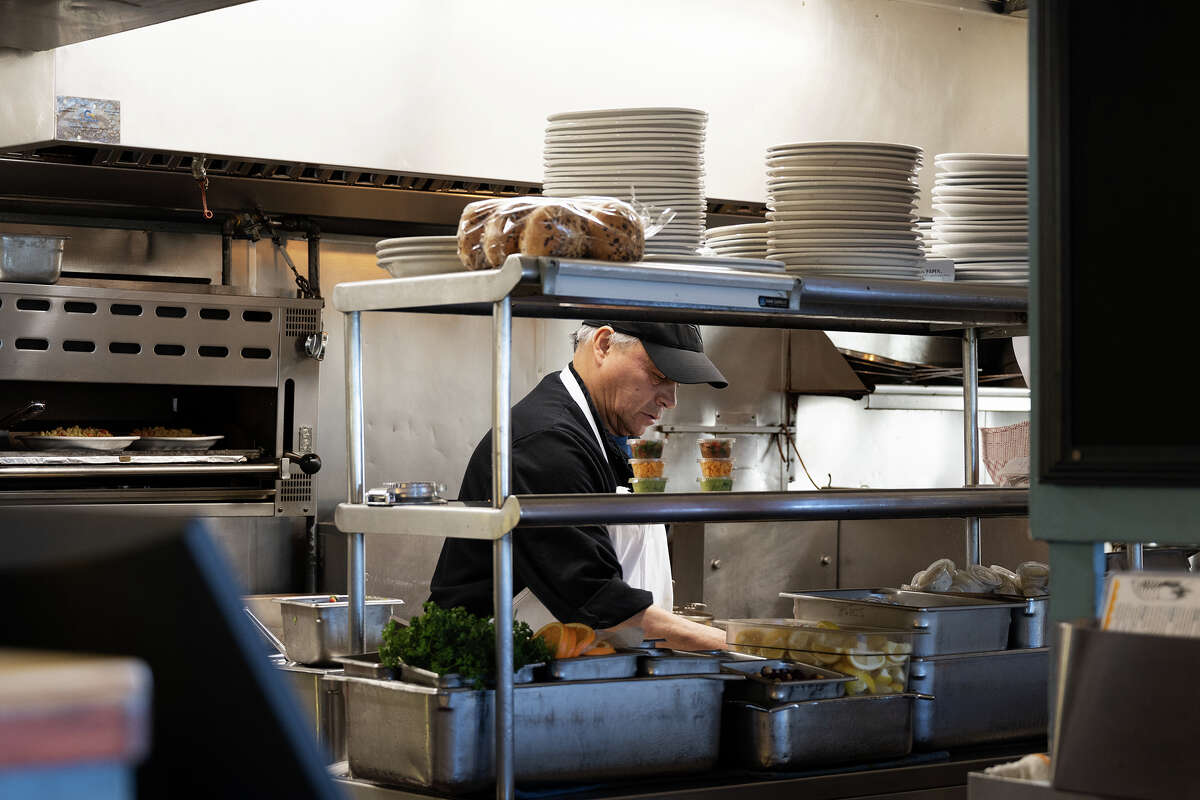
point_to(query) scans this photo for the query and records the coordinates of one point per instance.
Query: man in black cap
(568, 437)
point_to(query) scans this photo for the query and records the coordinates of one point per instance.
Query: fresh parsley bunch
(456, 641)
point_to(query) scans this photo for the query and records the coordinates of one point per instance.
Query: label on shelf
(1164, 603)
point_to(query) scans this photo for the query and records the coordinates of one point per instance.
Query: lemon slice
(857, 686)
(824, 659)
(870, 663)
(829, 626)
(864, 677)
(799, 640)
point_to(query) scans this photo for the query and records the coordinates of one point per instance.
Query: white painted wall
(462, 87)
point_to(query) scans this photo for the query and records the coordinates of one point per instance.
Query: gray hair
(585, 333)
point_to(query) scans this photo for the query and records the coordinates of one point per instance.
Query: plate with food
(74, 437)
(162, 438)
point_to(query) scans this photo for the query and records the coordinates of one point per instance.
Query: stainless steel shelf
(562, 289)
(827, 504)
(459, 520)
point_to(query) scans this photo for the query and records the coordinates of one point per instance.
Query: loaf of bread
(614, 232)
(471, 230)
(601, 228)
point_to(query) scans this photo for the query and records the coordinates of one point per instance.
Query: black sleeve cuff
(615, 602)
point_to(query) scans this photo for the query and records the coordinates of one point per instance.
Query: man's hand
(679, 633)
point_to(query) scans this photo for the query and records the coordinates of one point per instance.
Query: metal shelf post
(502, 559)
(356, 577)
(970, 360)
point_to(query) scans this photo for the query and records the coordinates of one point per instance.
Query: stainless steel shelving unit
(569, 289)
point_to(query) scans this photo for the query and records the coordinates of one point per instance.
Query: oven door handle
(309, 463)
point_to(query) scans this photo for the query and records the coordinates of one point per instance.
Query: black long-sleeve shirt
(573, 571)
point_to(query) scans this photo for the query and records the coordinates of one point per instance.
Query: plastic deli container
(716, 484)
(715, 467)
(646, 467)
(645, 448)
(877, 658)
(644, 485)
(716, 448)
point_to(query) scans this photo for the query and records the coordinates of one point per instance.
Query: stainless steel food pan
(677, 663)
(593, 668)
(367, 665)
(1028, 627)
(818, 732)
(954, 624)
(316, 628)
(31, 258)
(819, 684)
(980, 698)
(442, 739)
(323, 704)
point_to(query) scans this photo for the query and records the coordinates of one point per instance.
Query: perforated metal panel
(301, 321)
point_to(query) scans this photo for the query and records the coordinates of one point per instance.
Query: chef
(568, 436)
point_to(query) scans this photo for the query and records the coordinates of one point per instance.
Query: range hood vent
(46, 24)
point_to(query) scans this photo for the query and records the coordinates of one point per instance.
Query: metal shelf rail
(675, 292)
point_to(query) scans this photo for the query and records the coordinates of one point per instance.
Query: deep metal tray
(955, 624)
(821, 684)
(818, 732)
(1028, 627)
(316, 628)
(981, 698)
(443, 739)
(593, 668)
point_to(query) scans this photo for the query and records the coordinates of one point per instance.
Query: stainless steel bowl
(31, 258)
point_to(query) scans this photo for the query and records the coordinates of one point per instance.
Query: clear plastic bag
(600, 228)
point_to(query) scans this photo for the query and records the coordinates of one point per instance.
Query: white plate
(630, 121)
(416, 241)
(750, 227)
(751, 264)
(982, 177)
(626, 112)
(898, 235)
(860, 224)
(974, 237)
(623, 150)
(644, 136)
(408, 268)
(818, 158)
(991, 274)
(836, 145)
(981, 156)
(102, 443)
(851, 271)
(1020, 249)
(982, 166)
(980, 211)
(789, 209)
(641, 173)
(736, 241)
(844, 259)
(432, 252)
(840, 172)
(656, 162)
(850, 181)
(948, 225)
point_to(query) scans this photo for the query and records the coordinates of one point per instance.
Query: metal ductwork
(46, 24)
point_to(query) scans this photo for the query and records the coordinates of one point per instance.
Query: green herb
(456, 641)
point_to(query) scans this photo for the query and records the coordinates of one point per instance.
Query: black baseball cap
(677, 350)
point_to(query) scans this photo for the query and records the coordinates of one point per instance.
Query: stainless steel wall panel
(888, 552)
(747, 564)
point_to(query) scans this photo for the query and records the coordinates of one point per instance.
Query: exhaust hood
(46, 24)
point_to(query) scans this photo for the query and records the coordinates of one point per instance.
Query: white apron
(641, 549)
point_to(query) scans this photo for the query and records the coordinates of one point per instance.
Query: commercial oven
(124, 355)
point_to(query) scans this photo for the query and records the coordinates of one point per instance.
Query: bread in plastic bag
(601, 228)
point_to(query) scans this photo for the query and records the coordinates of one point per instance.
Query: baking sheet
(101, 443)
(175, 442)
(26, 458)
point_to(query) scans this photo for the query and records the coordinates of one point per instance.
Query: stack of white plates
(418, 255)
(928, 238)
(981, 216)
(652, 155)
(738, 241)
(845, 209)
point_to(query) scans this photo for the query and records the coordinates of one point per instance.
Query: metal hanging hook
(200, 174)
